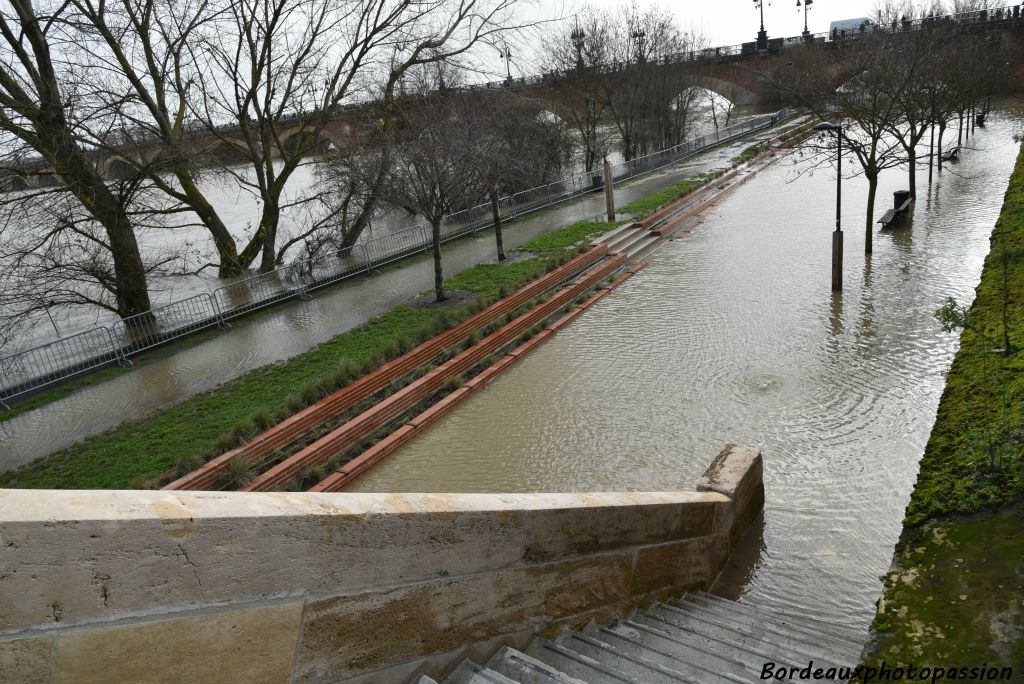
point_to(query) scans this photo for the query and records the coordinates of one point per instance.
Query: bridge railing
(32, 369)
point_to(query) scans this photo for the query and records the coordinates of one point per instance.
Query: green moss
(983, 402)
(955, 598)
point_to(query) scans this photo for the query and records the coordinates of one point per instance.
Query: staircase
(698, 638)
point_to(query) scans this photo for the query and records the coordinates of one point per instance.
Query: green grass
(955, 596)
(746, 155)
(648, 205)
(139, 452)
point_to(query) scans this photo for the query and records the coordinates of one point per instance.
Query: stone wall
(102, 586)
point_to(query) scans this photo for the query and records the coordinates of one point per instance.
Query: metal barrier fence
(50, 363)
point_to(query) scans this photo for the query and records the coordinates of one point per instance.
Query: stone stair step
(638, 666)
(627, 641)
(751, 619)
(653, 634)
(709, 650)
(752, 648)
(771, 647)
(469, 672)
(576, 664)
(800, 622)
(424, 679)
(526, 669)
(675, 624)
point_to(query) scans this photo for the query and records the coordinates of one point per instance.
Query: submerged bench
(951, 154)
(901, 200)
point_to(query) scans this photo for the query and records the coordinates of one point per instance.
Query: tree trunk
(131, 292)
(435, 237)
(942, 131)
(869, 228)
(960, 131)
(912, 171)
(496, 214)
(268, 225)
(227, 249)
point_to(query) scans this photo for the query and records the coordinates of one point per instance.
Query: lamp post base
(837, 260)
(762, 40)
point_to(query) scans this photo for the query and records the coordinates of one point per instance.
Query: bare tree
(517, 145)
(581, 52)
(37, 89)
(432, 170)
(855, 85)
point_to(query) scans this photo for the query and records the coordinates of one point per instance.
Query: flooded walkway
(177, 372)
(733, 335)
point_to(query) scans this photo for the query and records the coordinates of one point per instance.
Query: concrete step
(752, 648)
(633, 662)
(794, 617)
(627, 240)
(576, 664)
(469, 672)
(661, 647)
(643, 246)
(424, 679)
(735, 660)
(526, 669)
(770, 631)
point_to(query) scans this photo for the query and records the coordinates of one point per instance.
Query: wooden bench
(902, 203)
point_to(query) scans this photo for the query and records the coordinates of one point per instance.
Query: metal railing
(29, 370)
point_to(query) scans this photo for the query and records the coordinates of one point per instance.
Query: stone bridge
(733, 72)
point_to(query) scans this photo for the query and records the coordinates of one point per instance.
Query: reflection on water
(733, 335)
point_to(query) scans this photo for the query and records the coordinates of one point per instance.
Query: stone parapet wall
(222, 587)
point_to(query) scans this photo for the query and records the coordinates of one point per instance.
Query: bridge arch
(305, 144)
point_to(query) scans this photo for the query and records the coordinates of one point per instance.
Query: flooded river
(170, 375)
(733, 335)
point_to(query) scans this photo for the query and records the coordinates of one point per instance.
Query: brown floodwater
(733, 335)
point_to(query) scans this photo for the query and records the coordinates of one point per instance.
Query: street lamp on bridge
(762, 35)
(578, 37)
(806, 5)
(837, 236)
(506, 54)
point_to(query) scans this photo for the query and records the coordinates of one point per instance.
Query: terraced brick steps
(310, 418)
(349, 472)
(393, 406)
(700, 638)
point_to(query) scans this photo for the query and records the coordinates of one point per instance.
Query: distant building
(851, 25)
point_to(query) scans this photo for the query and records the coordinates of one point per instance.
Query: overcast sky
(730, 22)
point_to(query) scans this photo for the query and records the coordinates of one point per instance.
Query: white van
(851, 26)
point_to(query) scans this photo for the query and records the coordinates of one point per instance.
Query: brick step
(406, 398)
(288, 430)
(359, 465)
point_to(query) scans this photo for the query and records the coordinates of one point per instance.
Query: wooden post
(609, 191)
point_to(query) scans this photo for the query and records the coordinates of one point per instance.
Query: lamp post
(806, 5)
(837, 236)
(506, 54)
(762, 35)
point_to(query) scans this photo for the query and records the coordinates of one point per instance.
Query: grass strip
(954, 597)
